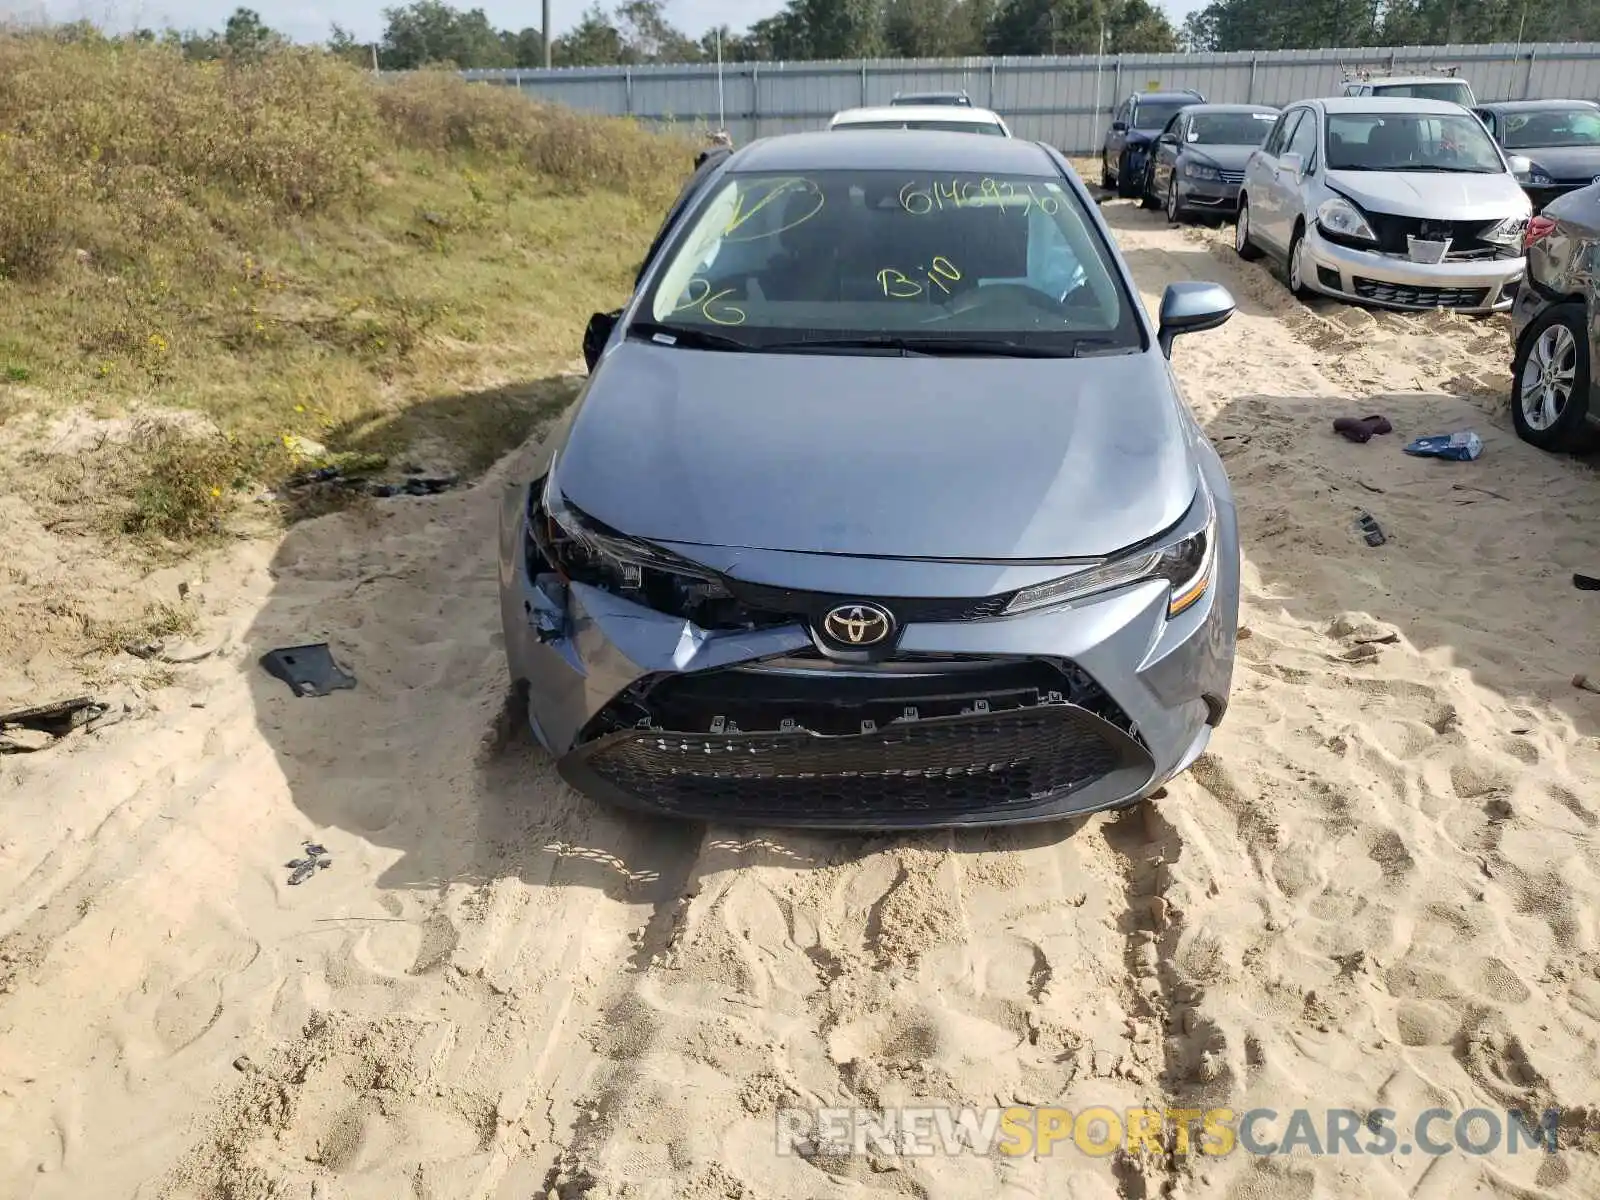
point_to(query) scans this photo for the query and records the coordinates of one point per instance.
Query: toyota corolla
(880, 508)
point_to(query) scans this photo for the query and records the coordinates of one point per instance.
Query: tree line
(433, 33)
(1313, 24)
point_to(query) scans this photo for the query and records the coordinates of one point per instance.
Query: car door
(1267, 197)
(1117, 138)
(1258, 167)
(1165, 160)
(1295, 166)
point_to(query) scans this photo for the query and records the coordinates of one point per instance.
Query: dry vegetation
(303, 259)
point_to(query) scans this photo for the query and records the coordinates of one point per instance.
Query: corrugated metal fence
(1063, 101)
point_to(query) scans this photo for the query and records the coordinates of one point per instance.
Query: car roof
(1233, 108)
(1403, 80)
(1191, 96)
(1510, 106)
(919, 112)
(894, 150)
(1378, 105)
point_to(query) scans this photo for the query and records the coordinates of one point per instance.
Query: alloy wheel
(1241, 229)
(1172, 199)
(1548, 376)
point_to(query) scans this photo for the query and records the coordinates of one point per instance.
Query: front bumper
(1209, 195)
(1387, 281)
(972, 722)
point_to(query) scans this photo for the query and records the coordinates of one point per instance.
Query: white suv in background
(1415, 87)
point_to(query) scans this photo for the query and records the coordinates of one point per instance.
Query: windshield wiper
(687, 335)
(1435, 169)
(936, 346)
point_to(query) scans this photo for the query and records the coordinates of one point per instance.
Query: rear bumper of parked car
(1388, 281)
(981, 721)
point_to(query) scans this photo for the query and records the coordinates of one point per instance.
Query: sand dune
(1378, 890)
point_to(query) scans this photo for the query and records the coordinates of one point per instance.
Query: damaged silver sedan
(880, 508)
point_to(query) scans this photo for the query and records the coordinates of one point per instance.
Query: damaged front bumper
(976, 719)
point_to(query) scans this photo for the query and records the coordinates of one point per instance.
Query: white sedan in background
(945, 117)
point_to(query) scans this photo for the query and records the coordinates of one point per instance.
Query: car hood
(1565, 162)
(981, 458)
(1229, 158)
(1433, 195)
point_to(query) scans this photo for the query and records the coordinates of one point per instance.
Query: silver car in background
(1399, 203)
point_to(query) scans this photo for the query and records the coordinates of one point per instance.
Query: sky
(307, 21)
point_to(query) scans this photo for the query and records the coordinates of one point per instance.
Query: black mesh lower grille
(943, 767)
(1420, 297)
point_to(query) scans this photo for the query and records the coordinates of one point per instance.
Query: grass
(305, 256)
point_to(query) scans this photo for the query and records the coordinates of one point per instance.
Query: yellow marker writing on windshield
(783, 187)
(704, 300)
(897, 285)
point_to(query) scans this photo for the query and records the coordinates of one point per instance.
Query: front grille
(1419, 297)
(1466, 240)
(941, 768)
(1232, 177)
(811, 607)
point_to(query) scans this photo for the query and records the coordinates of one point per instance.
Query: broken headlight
(582, 550)
(1184, 561)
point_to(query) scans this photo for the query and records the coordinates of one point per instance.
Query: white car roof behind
(1407, 80)
(918, 112)
(1378, 105)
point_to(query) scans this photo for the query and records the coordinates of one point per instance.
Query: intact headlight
(1343, 219)
(1201, 171)
(1186, 562)
(1535, 177)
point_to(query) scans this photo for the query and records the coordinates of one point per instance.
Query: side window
(1282, 131)
(1304, 139)
(1488, 123)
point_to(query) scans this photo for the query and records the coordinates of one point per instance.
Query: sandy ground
(1379, 889)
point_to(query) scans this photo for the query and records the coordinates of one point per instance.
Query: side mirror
(597, 335)
(1191, 307)
(1293, 163)
(1168, 139)
(1520, 165)
(1119, 127)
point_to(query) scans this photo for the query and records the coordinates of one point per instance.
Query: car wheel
(1126, 187)
(1242, 245)
(1147, 194)
(1550, 382)
(1174, 209)
(1295, 266)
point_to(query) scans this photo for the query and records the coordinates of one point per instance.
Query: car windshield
(983, 261)
(1230, 128)
(988, 127)
(1456, 93)
(1158, 114)
(1550, 127)
(1410, 142)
